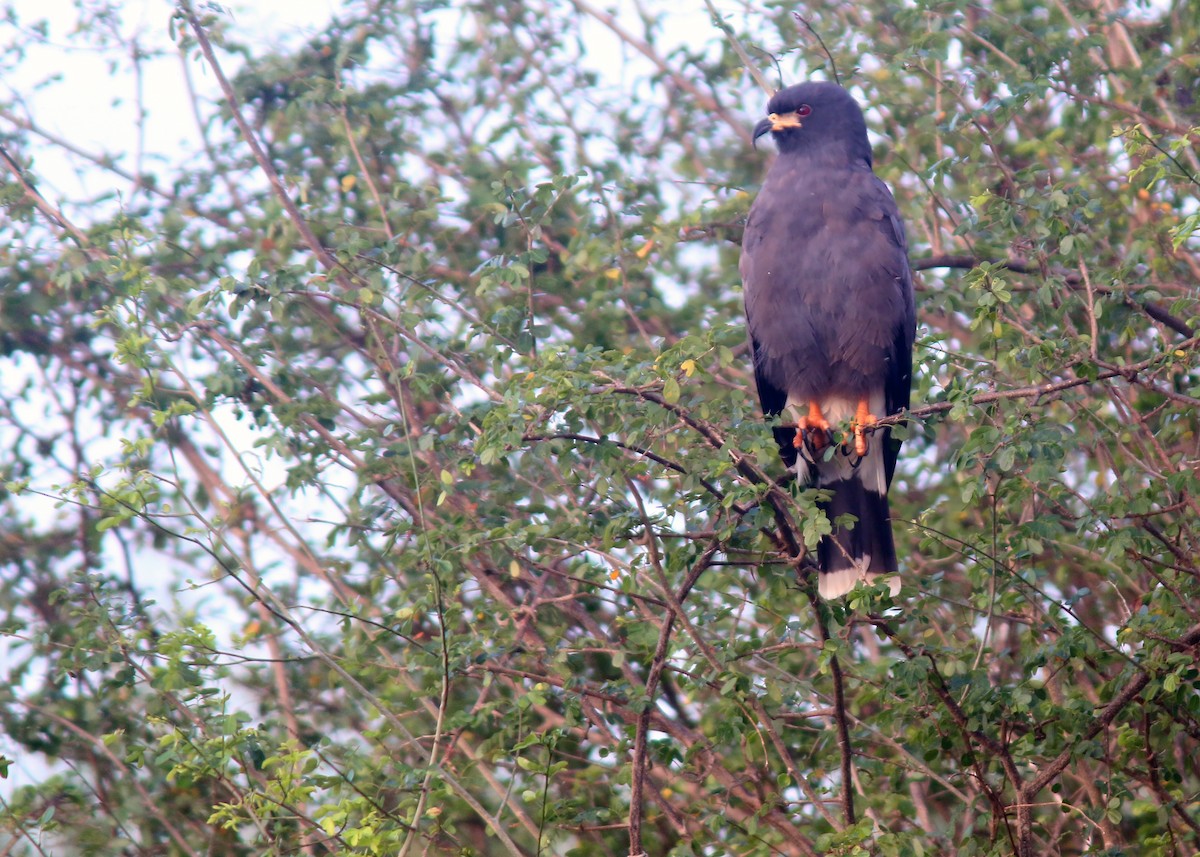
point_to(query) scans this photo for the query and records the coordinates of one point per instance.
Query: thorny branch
(541, 581)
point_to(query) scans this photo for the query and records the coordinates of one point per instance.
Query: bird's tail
(859, 549)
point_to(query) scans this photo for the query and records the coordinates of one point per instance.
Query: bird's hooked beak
(776, 122)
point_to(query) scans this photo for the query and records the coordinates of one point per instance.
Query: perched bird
(829, 310)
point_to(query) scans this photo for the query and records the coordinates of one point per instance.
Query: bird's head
(816, 115)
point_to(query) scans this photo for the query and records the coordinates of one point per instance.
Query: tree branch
(1071, 278)
(264, 163)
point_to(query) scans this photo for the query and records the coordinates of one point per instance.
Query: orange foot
(812, 431)
(864, 421)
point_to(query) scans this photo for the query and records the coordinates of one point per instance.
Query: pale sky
(94, 106)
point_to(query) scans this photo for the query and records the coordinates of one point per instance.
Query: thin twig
(702, 99)
(657, 663)
(264, 163)
(800, 19)
(51, 213)
(719, 22)
(839, 715)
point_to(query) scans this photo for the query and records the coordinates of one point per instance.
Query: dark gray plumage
(829, 308)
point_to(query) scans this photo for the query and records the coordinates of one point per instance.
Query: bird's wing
(898, 385)
(828, 293)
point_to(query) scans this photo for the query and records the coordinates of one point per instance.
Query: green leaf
(671, 391)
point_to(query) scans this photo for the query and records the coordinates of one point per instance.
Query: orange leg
(863, 420)
(812, 429)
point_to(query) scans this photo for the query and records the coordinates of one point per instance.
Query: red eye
(803, 110)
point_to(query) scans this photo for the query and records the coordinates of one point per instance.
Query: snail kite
(829, 309)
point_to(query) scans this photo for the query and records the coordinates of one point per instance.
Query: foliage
(384, 476)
